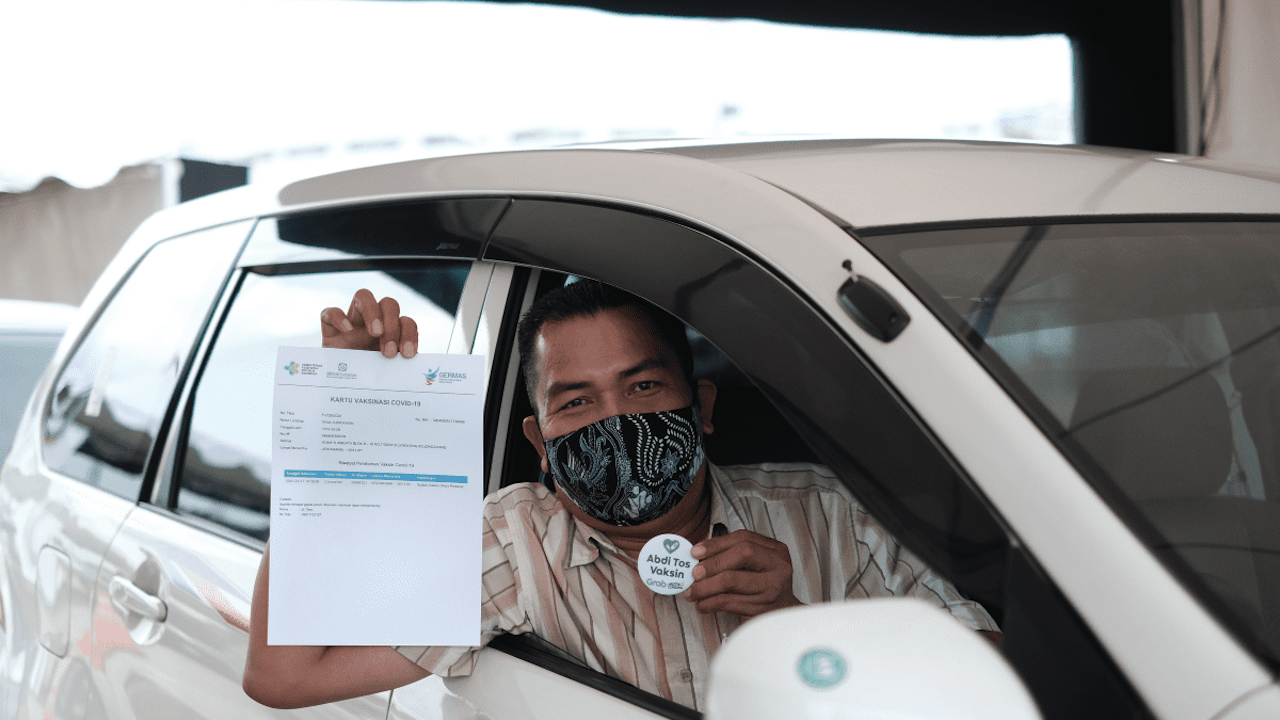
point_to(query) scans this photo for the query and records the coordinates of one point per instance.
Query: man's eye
(572, 403)
(647, 384)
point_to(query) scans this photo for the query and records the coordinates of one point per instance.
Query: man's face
(595, 366)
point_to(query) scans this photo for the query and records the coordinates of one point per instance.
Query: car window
(1149, 351)
(226, 468)
(748, 428)
(813, 382)
(111, 397)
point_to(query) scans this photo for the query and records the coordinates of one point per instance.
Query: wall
(55, 239)
(1239, 118)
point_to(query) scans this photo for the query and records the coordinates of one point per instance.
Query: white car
(1052, 372)
(29, 333)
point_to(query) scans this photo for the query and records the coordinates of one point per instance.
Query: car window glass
(226, 468)
(1149, 351)
(111, 396)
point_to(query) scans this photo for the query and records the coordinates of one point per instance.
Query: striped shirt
(546, 573)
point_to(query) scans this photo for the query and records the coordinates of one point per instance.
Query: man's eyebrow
(650, 364)
(642, 366)
(557, 388)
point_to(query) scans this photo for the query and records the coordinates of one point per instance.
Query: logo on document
(444, 378)
(303, 369)
(341, 373)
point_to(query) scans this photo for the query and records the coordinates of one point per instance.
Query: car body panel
(204, 634)
(882, 183)
(1261, 705)
(502, 686)
(49, 512)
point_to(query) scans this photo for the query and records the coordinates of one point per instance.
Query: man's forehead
(608, 341)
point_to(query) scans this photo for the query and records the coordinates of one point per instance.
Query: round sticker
(821, 668)
(665, 564)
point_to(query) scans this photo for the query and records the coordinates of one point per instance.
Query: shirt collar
(588, 542)
(723, 509)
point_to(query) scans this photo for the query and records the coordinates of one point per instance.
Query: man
(618, 424)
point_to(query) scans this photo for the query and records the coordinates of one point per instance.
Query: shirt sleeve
(883, 568)
(501, 610)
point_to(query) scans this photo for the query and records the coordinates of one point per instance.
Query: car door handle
(133, 598)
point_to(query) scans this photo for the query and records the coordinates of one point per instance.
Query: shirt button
(686, 676)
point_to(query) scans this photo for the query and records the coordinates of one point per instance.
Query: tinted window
(226, 470)
(1150, 351)
(112, 395)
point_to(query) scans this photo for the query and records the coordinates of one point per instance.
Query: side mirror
(894, 657)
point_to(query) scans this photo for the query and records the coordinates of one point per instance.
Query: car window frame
(468, 219)
(163, 496)
(529, 247)
(152, 464)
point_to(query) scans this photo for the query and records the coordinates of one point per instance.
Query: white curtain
(55, 239)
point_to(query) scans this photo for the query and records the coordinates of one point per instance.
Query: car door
(175, 587)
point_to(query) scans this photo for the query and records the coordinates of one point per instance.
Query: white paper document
(376, 490)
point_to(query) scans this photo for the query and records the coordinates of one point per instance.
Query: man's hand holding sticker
(744, 573)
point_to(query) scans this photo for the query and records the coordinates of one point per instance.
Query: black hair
(589, 297)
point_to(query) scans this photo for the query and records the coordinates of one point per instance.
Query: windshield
(1151, 353)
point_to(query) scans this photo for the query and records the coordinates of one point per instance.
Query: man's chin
(688, 508)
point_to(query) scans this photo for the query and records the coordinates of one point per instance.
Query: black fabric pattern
(629, 469)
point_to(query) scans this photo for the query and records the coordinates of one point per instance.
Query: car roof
(866, 184)
(877, 183)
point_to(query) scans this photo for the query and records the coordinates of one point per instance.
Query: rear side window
(225, 472)
(111, 397)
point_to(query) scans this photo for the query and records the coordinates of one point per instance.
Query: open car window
(811, 376)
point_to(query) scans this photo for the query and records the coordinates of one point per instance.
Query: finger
(746, 555)
(715, 545)
(766, 587)
(408, 337)
(365, 312)
(334, 322)
(389, 319)
(745, 605)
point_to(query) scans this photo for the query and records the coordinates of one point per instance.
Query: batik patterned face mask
(629, 469)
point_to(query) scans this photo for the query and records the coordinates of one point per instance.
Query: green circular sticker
(821, 668)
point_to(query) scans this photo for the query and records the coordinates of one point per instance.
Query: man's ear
(534, 434)
(706, 405)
